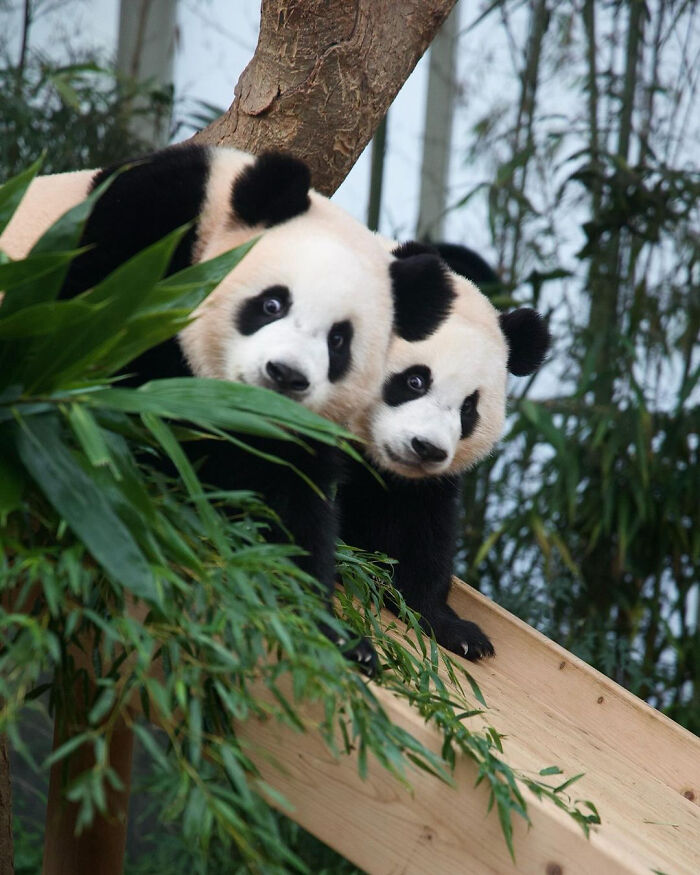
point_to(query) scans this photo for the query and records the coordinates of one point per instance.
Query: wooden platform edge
(386, 829)
(559, 679)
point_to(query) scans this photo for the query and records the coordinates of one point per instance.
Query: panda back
(46, 200)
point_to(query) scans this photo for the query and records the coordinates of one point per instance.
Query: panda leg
(313, 523)
(415, 522)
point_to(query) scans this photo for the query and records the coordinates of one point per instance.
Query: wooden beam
(641, 769)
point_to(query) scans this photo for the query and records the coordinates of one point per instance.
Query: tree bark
(6, 848)
(323, 76)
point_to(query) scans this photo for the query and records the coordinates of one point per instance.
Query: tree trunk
(6, 849)
(146, 52)
(323, 76)
(437, 136)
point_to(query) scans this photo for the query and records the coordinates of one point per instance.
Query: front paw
(358, 650)
(463, 637)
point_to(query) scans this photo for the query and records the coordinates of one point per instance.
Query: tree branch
(322, 77)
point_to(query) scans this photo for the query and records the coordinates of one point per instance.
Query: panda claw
(465, 648)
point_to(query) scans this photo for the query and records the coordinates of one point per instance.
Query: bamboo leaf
(79, 501)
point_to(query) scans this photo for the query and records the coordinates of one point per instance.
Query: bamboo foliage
(588, 523)
(124, 590)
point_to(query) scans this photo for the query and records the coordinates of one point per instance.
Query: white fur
(335, 269)
(467, 352)
(45, 201)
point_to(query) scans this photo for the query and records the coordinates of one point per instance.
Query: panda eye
(272, 306)
(468, 405)
(336, 340)
(415, 382)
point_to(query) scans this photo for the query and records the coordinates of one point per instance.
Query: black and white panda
(308, 312)
(469, 264)
(441, 410)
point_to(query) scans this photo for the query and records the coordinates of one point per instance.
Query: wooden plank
(385, 829)
(554, 709)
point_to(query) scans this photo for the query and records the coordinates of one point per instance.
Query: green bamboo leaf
(12, 485)
(14, 273)
(12, 192)
(50, 318)
(82, 504)
(217, 402)
(90, 436)
(188, 287)
(163, 434)
(65, 354)
(63, 236)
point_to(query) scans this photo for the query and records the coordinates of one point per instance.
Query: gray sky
(216, 40)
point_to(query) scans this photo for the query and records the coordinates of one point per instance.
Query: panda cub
(441, 410)
(308, 312)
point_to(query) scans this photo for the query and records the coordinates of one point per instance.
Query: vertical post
(7, 866)
(376, 179)
(101, 848)
(146, 51)
(437, 137)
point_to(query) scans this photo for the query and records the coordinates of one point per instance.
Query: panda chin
(407, 467)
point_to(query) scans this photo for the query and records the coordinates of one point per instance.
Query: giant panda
(308, 312)
(441, 410)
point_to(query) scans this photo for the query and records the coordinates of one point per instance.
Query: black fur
(469, 264)
(528, 340)
(397, 389)
(254, 313)
(469, 414)
(460, 259)
(145, 202)
(151, 197)
(414, 247)
(414, 521)
(423, 295)
(271, 190)
(339, 350)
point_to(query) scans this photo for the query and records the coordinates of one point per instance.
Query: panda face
(307, 312)
(442, 404)
(315, 327)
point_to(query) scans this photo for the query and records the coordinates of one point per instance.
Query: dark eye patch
(469, 414)
(404, 386)
(339, 357)
(271, 304)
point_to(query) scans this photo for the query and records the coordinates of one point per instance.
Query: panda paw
(358, 650)
(464, 638)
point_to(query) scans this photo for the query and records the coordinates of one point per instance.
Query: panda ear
(528, 340)
(423, 294)
(413, 247)
(274, 188)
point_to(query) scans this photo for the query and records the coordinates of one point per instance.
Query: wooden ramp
(641, 770)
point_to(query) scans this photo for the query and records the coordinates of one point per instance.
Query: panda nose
(286, 378)
(427, 452)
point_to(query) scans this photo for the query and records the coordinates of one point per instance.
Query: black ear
(423, 295)
(528, 340)
(271, 190)
(413, 247)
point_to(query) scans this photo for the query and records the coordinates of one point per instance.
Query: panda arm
(146, 200)
(414, 522)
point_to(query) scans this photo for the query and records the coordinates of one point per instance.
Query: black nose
(428, 452)
(287, 379)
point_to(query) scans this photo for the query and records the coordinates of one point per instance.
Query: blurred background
(560, 142)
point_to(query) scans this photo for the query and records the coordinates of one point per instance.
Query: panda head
(308, 312)
(442, 404)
